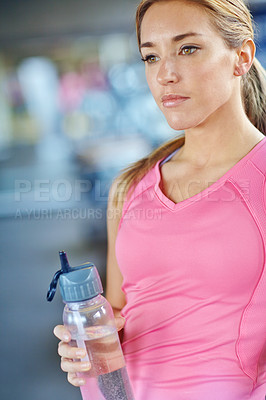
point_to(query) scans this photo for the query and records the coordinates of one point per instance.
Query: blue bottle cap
(76, 284)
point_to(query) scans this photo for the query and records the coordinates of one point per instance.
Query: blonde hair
(234, 22)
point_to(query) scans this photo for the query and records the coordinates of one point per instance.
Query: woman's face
(189, 69)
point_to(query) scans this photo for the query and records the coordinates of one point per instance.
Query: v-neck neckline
(170, 204)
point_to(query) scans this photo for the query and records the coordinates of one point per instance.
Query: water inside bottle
(108, 378)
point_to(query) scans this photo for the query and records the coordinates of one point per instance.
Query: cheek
(152, 83)
(213, 85)
(216, 73)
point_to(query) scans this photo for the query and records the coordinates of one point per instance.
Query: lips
(173, 100)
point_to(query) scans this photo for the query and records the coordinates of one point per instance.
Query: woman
(187, 224)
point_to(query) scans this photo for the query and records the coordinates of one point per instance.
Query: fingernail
(85, 366)
(66, 337)
(81, 382)
(80, 353)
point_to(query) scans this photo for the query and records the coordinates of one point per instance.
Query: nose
(167, 73)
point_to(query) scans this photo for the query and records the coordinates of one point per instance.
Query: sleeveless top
(195, 286)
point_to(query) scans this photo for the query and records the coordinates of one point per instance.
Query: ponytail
(254, 95)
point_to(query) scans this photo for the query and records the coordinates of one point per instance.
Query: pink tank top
(195, 285)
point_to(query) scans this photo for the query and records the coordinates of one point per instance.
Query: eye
(187, 50)
(150, 59)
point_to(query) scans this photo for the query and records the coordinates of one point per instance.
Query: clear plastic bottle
(90, 319)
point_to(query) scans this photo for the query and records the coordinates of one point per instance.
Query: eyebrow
(176, 38)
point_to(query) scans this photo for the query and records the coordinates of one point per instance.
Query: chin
(181, 121)
(180, 125)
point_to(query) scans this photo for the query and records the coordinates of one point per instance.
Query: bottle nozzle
(64, 261)
(65, 267)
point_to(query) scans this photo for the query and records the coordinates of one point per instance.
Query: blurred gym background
(74, 110)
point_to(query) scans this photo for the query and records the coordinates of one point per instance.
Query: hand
(69, 354)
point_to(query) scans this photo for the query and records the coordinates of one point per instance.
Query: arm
(114, 295)
(114, 278)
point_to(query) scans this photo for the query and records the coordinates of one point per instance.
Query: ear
(245, 57)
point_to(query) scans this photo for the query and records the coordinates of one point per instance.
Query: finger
(75, 380)
(65, 350)
(120, 322)
(62, 333)
(68, 365)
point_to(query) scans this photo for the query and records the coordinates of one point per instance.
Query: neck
(225, 137)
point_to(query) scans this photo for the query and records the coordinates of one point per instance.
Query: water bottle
(89, 318)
